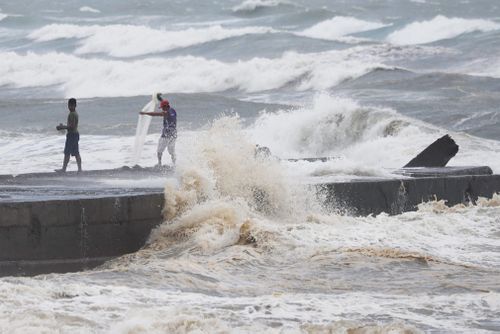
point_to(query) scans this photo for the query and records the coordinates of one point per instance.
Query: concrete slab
(75, 230)
(88, 184)
(444, 171)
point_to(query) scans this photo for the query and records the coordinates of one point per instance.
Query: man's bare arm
(152, 113)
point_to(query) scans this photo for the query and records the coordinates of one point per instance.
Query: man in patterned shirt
(169, 133)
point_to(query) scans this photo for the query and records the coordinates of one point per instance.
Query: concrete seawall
(65, 235)
(397, 196)
(73, 234)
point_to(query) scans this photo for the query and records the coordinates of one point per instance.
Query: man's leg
(162, 144)
(159, 154)
(65, 162)
(67, 152)
(79, 162)
(77, 153)
(171, 149)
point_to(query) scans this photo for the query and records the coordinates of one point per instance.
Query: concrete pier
(73, 234)
(79, 228)
(362, 198)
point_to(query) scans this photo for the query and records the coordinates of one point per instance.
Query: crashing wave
(88, 9)
(339, 26)
(220, 192)
(90, 77)
(252, 5)
(330, 125)
(119, 40)
(439, 28)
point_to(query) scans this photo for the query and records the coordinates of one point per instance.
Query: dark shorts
(71, 146)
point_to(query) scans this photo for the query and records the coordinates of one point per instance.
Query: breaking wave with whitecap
(131, 41)
(180, 74)
(439, 28)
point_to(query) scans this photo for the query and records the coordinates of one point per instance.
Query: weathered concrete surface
(72, 234)
(124, 171)
(26, 194)
(397, 196)
(88, 184)
(444, 171)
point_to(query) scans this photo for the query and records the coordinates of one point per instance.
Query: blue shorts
(71, 146)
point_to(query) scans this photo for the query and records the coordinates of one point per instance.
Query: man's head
(72, 104)
(164, 105)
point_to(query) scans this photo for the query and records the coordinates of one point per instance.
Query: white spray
(141, 131)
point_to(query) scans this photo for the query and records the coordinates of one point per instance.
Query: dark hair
(72, 102)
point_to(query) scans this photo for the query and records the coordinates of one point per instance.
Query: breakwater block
(436, 154)
(444, 171)
(73, 234)
(362, 198)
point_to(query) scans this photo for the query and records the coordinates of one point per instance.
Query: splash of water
(141, 131)
(225, 192)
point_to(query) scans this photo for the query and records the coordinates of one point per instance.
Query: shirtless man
(72, 137)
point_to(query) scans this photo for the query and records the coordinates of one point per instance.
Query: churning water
(369, 82)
